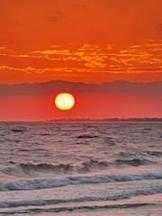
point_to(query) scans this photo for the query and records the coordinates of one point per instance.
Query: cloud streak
(56, 62)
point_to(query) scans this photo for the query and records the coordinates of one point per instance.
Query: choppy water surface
(81, 168)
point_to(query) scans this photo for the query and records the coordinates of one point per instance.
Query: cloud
(145, 57)
(85, 60)
(49, 52)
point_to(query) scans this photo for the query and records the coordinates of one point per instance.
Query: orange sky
(83, 40)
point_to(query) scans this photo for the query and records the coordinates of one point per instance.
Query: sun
(64, 101)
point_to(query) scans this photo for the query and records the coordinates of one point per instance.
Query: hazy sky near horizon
(116, 99)
(83, 40)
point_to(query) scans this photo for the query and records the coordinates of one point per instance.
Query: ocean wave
(154, 153)
(77, 208)
(18, 130)
(86, 136)
(32, 169)
(142, 154)
(36, 184)
(92, 164)
(133, 162)
(81, 199)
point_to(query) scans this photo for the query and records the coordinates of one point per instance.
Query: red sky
(90, 41)
(116, 99)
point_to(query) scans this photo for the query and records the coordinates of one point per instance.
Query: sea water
(83, 168)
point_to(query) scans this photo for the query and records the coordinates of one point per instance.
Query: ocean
(81, 168)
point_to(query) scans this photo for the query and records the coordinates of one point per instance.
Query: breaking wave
(133, 162)
(36, 184)
(76, 208)
(32, 169)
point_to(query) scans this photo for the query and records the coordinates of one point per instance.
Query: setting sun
(64, 101)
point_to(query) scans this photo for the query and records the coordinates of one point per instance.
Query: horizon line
(88, 119)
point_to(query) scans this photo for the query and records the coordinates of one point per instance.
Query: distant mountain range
(60, 85)
(152, 119)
